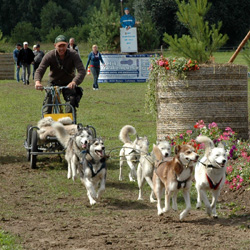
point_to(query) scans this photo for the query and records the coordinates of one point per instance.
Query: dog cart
(40, 142)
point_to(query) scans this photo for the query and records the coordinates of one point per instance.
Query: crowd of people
(63, 62)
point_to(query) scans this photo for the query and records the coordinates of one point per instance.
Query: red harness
(211, 184)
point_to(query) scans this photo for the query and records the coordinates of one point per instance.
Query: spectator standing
(73, 46)
(25, 57)
(62, 62)
(127, 21)
(15, 57)
(94, 59)
(38, 57)
(34, 50)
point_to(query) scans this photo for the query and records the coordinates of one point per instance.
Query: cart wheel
(34, 148)
(28, 140)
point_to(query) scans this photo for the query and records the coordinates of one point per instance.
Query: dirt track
(44, 220)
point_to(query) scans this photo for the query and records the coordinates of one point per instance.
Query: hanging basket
(215, 93)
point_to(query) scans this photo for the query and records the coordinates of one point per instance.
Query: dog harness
(211, 184)
(179, 185)
(89, 163)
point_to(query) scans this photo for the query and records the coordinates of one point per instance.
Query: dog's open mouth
(100, 153)
(222, 165)
(85, 145)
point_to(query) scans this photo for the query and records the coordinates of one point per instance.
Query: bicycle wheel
(28, 141)
(34, 148)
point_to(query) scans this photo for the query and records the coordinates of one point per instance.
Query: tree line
(98, 21)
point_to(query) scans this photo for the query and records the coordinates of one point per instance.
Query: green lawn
(108, 110)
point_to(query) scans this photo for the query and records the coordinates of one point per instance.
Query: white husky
(146, 166)
(210, 174)
(130, 151)
(74, 145)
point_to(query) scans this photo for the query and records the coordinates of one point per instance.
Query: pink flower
(238, 186)
(241, 180)
(189, 132)
(161, 63)
(231, 186)
(229, 169)
(212, 125)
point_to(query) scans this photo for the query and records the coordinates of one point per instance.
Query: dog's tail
(61, 133)
(124, 133)
(207, 142)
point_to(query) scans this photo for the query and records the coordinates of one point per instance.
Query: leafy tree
(80, 33)
(50, 37)
(148, 36)
(53, 15)
(104, 26)
(203, 39)
(24, 31)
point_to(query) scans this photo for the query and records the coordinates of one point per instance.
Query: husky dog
(93, 170)
(210, 174)
(130, 151)
(74, 145)
(174, 174)
(146, 166)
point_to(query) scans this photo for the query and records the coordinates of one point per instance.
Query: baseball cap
(19, 44)
(61, 39)
(24, 43)
(38, 46)
(126, 8)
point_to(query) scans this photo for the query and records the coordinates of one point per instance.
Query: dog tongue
(84, 145)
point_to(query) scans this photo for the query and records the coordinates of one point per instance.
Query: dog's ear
(177, 149)
(157, 153)
(79, 126)
(221, 145)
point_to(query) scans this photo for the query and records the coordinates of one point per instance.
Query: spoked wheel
(34, 148)
(28, 141)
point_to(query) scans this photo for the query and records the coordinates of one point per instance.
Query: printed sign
(128, 39)
(125, 68)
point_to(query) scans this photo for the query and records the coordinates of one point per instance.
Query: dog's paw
(92, 202)
(209, 211)
(120, 179)
(140, 199)
(175, 208)
(183, 215)
(198, 205)
(160, 212)
(152, 200)
(215, 216)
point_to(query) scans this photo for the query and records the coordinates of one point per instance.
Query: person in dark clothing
(38, 57)
(62, 62)
(94, 59)
(15, 57)
(25, 57)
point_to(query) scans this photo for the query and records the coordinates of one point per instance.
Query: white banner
(128, 40)
(125, 68)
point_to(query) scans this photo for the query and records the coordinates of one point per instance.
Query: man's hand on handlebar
(38, 85)
(71, 85)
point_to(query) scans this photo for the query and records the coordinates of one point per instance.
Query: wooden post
(121, 9)
(239, 47)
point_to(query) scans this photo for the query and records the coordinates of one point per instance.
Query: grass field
(108, 110)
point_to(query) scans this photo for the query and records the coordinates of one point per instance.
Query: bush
(24, 31)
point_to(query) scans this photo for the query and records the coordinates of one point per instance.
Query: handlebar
(52, 87)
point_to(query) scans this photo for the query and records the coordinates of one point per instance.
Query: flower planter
(214, 93)
(7, 67)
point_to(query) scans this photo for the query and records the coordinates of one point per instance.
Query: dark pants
(95, 72)
(71, 96)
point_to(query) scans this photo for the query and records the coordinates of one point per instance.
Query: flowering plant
(169, 68)
(238, 152)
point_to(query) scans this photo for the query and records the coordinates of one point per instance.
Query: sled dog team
(165, 173)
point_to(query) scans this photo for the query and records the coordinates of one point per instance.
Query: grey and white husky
(93, 170)
(74, 145)
(130, 151)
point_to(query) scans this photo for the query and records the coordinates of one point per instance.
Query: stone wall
(214, 93)
(7, 67)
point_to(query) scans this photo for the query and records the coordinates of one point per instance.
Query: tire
(34, 148)
(28, 140)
